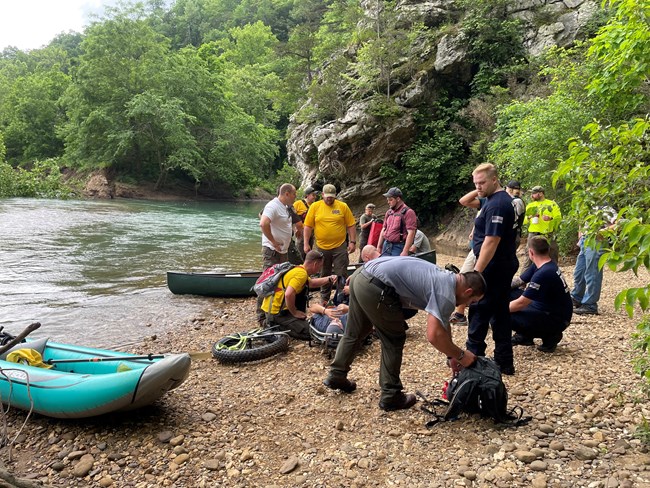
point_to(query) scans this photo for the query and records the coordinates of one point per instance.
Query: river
(94, 272)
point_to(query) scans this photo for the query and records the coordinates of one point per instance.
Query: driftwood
(8, 480)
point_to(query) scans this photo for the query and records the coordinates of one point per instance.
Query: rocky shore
(273, 424)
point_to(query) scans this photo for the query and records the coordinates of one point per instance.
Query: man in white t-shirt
(277, 230)
(277, 227)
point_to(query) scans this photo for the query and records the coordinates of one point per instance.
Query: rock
(539, 481)
(106, 481)
(556, 445)
(212, 464)
(83, 467)
(289, 465)
(547, 429)
(177, 441)
(585, 453)
(538, 465)
(208, 416)
(181, 459)
(470, 475)
(525, 456)
(165, 436)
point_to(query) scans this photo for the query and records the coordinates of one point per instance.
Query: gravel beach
(273, 424)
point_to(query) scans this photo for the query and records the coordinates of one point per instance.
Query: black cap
(514, 184)
(393, 193)
(309, 190)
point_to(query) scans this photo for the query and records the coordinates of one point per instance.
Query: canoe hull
(234, 285)
(86, 389)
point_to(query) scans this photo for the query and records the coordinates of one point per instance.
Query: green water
(94, 272)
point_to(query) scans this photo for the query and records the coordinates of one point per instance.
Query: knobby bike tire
(260, 348)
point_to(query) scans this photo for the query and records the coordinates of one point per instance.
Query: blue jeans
(587, 278)
(392, 248)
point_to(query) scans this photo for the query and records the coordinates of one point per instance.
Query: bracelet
(461, 356)
(353, 242)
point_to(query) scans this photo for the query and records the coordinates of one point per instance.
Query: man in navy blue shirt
(544, 309)
(493, 243)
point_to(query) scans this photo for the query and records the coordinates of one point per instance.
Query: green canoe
(233, 284)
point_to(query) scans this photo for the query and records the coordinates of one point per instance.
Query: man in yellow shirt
(543, 218)
(288, 304)
(330, 220)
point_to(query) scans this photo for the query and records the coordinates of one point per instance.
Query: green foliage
(622, 51)
(431, 171)
(286, 174)
(532, 136)
(494, 40)
(611, 167)
(43, 180)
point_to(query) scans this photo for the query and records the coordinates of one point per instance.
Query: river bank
(273, 423)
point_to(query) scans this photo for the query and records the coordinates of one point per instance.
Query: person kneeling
(544, 308)
(287, 307)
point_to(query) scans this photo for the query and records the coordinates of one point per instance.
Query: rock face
(350, 150)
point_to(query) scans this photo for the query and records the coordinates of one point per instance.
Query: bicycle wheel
(256, 348)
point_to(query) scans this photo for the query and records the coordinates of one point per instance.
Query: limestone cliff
(349, 150)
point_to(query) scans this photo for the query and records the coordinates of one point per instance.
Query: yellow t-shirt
(300, 207)
(330, 223)
(296, 278)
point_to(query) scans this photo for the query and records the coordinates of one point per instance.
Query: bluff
(350, 150)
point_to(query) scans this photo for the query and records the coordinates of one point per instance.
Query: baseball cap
(393, 193)
(329, 190)
(309, 190)
(370, 205)
(537, 189)
(514, 184)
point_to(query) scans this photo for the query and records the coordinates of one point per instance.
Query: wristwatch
(461, 355)
(353, 242)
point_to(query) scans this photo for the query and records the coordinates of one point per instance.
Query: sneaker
(340, 383)
(522, 340)
(458, 319)
(402, 402)
(549, 343)
(586, 310)
(576, 303)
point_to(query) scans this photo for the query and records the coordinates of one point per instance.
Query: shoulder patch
(497, 219)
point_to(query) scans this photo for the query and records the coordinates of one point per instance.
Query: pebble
(83, 467)
(289, 465)
(538, 465)
(585, 453)
(525, 456)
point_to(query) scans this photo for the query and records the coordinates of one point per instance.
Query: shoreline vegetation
(273, 424)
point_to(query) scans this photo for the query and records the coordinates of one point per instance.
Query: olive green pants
(371, 306)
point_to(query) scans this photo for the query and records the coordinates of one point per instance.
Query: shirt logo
(533, 285)
(336, 212)
(497, 219)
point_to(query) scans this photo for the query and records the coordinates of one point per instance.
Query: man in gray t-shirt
(381, 293)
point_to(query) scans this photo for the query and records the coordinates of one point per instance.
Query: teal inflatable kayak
(75, 381)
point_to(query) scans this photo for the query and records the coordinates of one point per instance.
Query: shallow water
(94, 272)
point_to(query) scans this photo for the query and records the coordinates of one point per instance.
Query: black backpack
(477, 389)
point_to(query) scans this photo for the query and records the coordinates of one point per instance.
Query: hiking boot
(507, 370)
(340, 383)
(522, 340)
(586, 310)
(401, 402)
(576, 303)
(458, 319)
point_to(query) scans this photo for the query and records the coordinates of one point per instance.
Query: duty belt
(377, 282)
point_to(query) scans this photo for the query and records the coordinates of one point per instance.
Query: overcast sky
(31, 24)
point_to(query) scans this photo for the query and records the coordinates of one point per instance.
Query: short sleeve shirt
(296, 278)
(281, 224)
(393, 223)
(301, 208)
(548, 291)
(365, 232)
(420, 285)
(421, 242)
(330, 223)
(497, 219)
